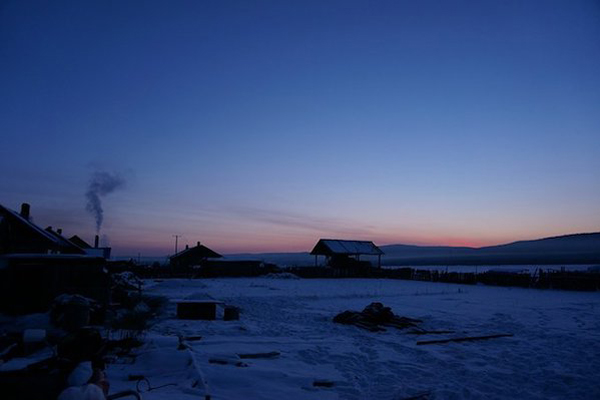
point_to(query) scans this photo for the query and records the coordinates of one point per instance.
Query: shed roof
(345, 247)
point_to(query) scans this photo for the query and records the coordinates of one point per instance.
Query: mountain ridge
(577, 248)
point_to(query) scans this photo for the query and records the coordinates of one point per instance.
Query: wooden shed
(342, 252)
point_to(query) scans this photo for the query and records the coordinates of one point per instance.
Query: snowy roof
(348, 247)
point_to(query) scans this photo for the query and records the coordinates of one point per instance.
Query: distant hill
(582, 248)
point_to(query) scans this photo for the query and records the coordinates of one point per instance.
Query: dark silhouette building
(193, 256)
(18, 234)
(95, 251)
(37, 265)
(346, 253)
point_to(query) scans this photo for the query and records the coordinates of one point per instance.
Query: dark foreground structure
(37, 265)
(30, 282)
(543, 278)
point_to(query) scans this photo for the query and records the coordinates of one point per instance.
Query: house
(192, 256)
(37, 265)
(346, 253)
(79, 242)
(18, 234)
(95, 251)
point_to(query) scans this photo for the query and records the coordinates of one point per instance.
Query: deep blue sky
(262, 126)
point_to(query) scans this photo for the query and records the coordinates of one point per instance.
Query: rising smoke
(101, 184)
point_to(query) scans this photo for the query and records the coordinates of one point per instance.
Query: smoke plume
(101, 184)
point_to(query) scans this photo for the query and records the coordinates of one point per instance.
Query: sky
(262, 126)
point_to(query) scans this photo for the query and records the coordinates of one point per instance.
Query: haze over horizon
(264, 126)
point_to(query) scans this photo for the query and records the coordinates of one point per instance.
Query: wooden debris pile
(375, 317)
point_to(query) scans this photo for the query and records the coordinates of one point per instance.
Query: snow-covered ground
(554, 354)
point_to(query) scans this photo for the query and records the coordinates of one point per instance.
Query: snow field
(555, 353)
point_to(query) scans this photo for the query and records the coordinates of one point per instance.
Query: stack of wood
(375, 317)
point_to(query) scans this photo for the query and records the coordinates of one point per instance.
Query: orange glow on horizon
(159, 247)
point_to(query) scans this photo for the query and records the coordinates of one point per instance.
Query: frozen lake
(554, 354)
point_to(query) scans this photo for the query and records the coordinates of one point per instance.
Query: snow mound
(127, 280)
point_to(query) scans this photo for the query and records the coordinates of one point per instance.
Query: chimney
(198, 244)
(59, 231)
(96, 240)
(187, 247)
(25, 210)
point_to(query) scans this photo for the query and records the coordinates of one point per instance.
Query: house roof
(14, 216)
(49, 238)
(199, 252)
(64, 242)
(79, 242)
(329, 247)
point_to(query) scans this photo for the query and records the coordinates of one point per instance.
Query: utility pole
(176, 240)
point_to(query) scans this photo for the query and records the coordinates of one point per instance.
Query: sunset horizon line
(307, 249)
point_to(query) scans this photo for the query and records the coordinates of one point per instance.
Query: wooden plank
(399, 325)
(465, 339)
(406, 320)
(368, 326)
(271, 354)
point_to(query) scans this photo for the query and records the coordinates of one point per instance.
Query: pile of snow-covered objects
(375, 317)
(41, 355)
(126, 280)
(66, 348)
(126, 288)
